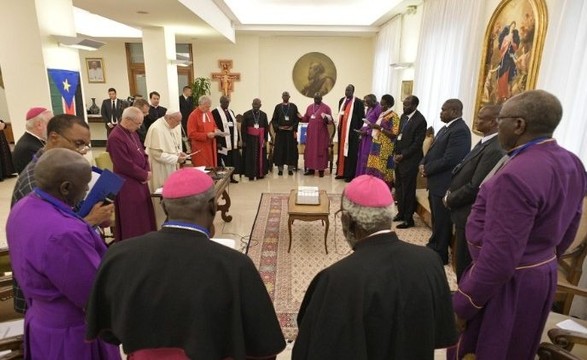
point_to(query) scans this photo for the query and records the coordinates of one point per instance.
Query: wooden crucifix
(226, 78)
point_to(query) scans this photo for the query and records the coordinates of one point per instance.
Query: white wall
(266, 65)
(113, 55)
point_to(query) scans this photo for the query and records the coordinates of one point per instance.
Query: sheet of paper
(572, 326)
(158, 191)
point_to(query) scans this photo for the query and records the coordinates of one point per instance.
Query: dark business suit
(409, 145)
(155, 113)
(186, 106)
(466, 179)
(24, 150)
(448, 149)
(349, 162)
(110, 116)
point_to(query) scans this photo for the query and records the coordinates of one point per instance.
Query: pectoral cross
(226, 78)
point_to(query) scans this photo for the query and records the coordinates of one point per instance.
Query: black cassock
(388, 300)
(286, 144)
(254, 152)
(233, 157)
(175, 288)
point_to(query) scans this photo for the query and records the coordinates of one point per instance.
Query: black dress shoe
(321, 173)
(398, 218)
(289, 172)
(280, 173)
(309, 172)
(339, 177)
(405, 225)
(348, 180)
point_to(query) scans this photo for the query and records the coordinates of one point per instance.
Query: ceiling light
(401, 66)
(78, 42)
(182, 63)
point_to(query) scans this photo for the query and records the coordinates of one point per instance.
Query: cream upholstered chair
(103, 161)
(570, 266)
(562, 346)
(331, 150)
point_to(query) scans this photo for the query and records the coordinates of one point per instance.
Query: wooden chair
(13, 344)
(331, 150)
(562, 340)
(270, 147)
(570, 266)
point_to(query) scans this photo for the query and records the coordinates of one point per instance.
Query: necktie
(471, 153)
(114, 119)
(501, 163)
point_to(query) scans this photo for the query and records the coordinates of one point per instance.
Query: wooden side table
(308, 213)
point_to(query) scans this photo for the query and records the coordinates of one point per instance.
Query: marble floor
(245, 198)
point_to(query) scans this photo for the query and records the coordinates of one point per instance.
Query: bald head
(541, 110)
(64, 174)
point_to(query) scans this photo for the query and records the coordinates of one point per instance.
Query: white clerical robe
(163, 145)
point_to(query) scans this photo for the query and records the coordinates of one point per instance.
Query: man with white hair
(202, 132)
(388, 300)
(163, 145)
(33, 139)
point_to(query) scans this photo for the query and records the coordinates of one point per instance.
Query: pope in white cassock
(163, 145)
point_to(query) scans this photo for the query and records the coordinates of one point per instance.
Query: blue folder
(107, 185)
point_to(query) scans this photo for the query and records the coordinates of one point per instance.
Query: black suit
(448, 149)
(24, 150)
(110, 116)
(349, 162)
(155, 113)
(409, 145)
(466, 179)
(186, 106)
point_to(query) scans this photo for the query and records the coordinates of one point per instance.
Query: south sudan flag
(66, 93)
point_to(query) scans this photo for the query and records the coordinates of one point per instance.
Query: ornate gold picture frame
(512, 50)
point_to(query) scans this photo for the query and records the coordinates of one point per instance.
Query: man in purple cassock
(318, 116)
(134, 212)
(56, 260)
(371, 115)
(525, 216)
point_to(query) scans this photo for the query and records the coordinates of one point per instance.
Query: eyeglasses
(80, 145)
(500, 118)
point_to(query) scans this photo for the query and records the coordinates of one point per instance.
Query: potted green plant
(200, 86)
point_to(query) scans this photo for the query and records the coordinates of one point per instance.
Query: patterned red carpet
(287, 275)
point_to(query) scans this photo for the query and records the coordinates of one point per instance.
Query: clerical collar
(488, 137)
(186, 226)
(55, 202)
(538, 141)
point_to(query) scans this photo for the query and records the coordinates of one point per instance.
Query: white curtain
(387, 51)
(449, 54)
(563, 71)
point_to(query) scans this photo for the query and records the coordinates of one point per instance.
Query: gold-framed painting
(314, 73)
(512, 50)
(407, 89)
(95, 70)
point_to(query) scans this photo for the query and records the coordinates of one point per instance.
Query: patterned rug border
(287, 275)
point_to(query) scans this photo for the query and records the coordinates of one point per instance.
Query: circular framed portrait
(314, 73)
